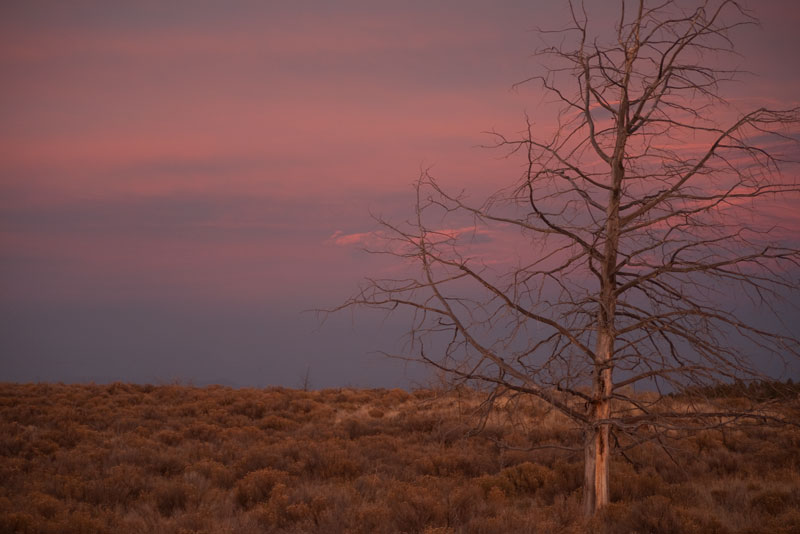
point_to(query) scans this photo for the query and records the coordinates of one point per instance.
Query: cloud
(341, 239)
(376, 240)
(467, 234)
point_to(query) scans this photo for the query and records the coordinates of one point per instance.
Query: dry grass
(171, 459)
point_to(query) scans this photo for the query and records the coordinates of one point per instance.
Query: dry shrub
(297, 512)
(111, 490)
(255, 458)
(301, 406)
(219, 475)
(218, 508)
(567, 477)
(426, 394)
(277, 422)
(242, 434)
(63, 487)
(685, 494)
(291, 453)
(513, 457)
(129, 482)
(774, 455)
(731, 495)
(168, 463)
(415, 506)
(706, 440)
(333, 507)
(274, 511)
(628, 485)
(169, 437)
(787, 523)
(201, 431)
(541, 434)
(653, 515)
(496, 499)
(339, 396)
(361, 396)
(658, 461)
(451, 463)
(46, 505)
(511, 520)
(381, 446)
(420, 423)
(171, 495)
(775, 502)
(13, 522)
(355, 428)
(487, 525)
(394, 397)
(125, 423)
(374, 518)
(487, 482)
(79, 521)
(321, 415)
(565, 515)
(518, 480)
(464, 503)
(527, 477)
(257, 486)
(11, 442)
(248, 408)
(331, 459)
(190, 410)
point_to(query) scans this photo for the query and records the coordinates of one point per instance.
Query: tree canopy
(640, 230)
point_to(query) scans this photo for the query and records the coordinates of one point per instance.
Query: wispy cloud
(472, 234)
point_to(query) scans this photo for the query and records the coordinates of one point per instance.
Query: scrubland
(126, 458)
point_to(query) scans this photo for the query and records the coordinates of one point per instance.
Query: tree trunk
(597, 447)
(596, 470)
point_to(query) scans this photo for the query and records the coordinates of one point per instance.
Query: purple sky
(180, 180)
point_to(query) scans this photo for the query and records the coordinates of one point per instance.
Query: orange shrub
(257, 486)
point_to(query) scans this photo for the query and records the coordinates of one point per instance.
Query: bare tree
(639, 231)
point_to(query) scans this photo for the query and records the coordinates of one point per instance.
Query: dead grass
(170, 459)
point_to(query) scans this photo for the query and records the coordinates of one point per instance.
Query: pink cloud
(474, 234)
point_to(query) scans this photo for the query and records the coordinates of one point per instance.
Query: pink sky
(206, 152)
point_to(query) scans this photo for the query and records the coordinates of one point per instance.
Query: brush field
(124, 458)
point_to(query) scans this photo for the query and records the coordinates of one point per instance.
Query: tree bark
(596, 471)
(597, 445)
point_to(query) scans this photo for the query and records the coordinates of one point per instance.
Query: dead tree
(639, 229)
